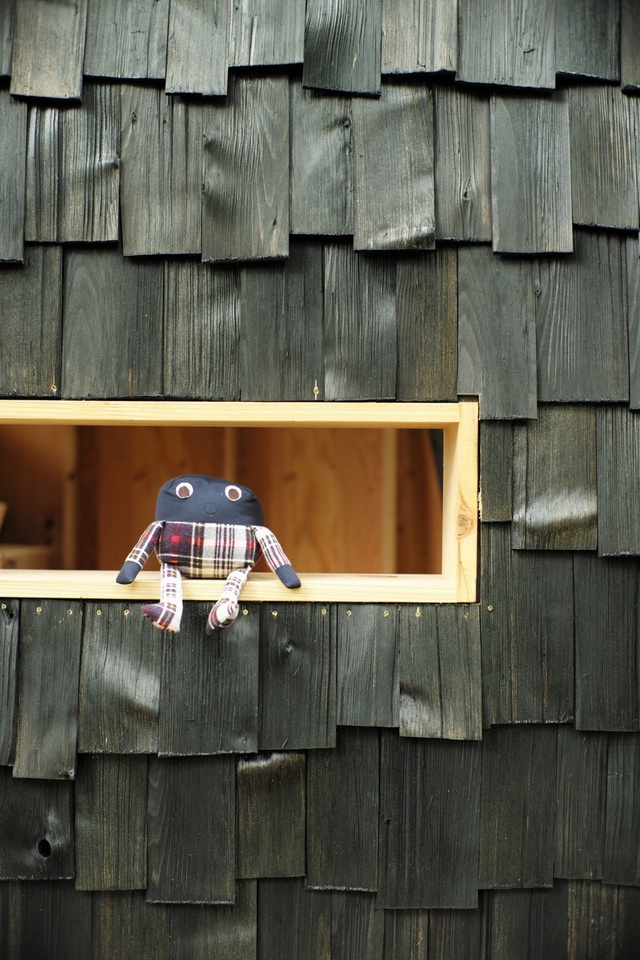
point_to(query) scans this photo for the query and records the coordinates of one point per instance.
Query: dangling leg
(166, 614)
(225, 611)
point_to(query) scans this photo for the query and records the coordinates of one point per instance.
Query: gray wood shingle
(36, 827)
(621, 862)
(535, 917)
(633, 319)
(368, 689)
(618, 471)
(496, 471)
(48, 49)
(198, 47)
(342, 45)
(45, 920)
(582, 797)
(13, 122)
(265, 34)
(357, 927)
(588, 45)
(629, 51)
(293, 921)
(126, 39)
(9, 625)
(419, 37)
(7, 26)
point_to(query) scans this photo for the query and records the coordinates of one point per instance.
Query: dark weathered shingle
(406, 934)
(51, 921)
(126, 39)
(292, 921)
(633, 317)
(588, 45)
(7, 25)
(582, 794)
(368, 689)
(629, 50)
(48, 49)
(342, 45)
(618, 471)
(621, 862)
(419, 37)
(267, 34)
(9, 623)
(36, 829)
(13, 122)
(198, 47)
(496, 471)
(454, 933)
(537, 918)
(357, 927)
(602, 919)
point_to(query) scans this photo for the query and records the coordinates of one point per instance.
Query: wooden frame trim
(458, 421)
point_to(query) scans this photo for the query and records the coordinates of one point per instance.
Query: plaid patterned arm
(276, 557)
(146, 544)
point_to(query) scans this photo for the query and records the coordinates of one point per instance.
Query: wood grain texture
(9, 626)
(554, 490)
(606, 638)
(191, 859)
(419, 37)
(49, 674)
(201, 331)
(161, 173)
(198, 47)
(73, 179)
(48, 49)
(126, 39)
(581, 322)
(357, 927)
(427, 320)
(271, 815)
(209, 689)
(343, 788)
(531, 175)
(429, 806)
(582, 798)
(439, 672)
(604, 125)
(119, 682)
(112, 318)
(633, 319)
(497, 334)
(537, 918)
(245, 201)
(406, 934)
(321, 187)
(7, 27)
(297, 677)
(455, 933)
(368, 688)
(51, 921)
(394, 204)
(13, 121)
(110, 823)
(517, 835)
(496, 471)
(292, 921)
(526, 628)
(588, 45)
(36, 827)
(618, 474)
(267, 34)
(462, 164)
(281, 344)
(360, 326)
(621, 861)
(629, 51)
(603, 920)
(513, 47)
(342, 45)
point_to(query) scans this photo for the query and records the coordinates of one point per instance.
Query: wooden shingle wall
(348, 200)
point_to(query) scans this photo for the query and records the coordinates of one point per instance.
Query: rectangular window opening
(371, 502)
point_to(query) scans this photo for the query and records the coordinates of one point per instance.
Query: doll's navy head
(194, 498)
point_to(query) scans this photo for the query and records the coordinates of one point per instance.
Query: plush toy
(205, 527)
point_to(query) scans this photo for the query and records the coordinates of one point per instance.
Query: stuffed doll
(210, 528)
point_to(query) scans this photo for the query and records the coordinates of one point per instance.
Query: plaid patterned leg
(167, 614)
(225, 611)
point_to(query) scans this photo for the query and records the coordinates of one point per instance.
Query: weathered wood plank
(161, 173)
(357, 927)
(394, 203)
(321, 187)
(297, 677)
(588, 45)
(7, 27)
(112, 318)
(406, 934)
(513, 46)
(517, 835)
(439, 671)
(209, 689)
(629, 50)
(533, 920)
(496, 333)
(360, 326)
(419, 37)
(496, 471)
(267, 34)
(604, 125)
(119, 682)
(462, 164)
(292, 921)
(48, 679)
(342, 45)
(427, 303)
(245, 201)
(618, 475)
(368, 688)
(281, 343)
(526, 629)
(127, 39)
(9, 627)
(191, 830)
(198, 47)
(581, 322)
(633, 318)
(36, 829)
(50, 921)
(48, 49)
(622, 830)
(606, 639)
(582, 797)
(72, 188)
(429, 803)
(554, 491)
(454, 933)
(201, 331)
(604, 921)
(531, 174)
(110, 823)
(271, 815)
(13, 122)
(343, 790)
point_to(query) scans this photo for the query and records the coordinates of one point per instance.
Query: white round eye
(232, 492)
(184, 490)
